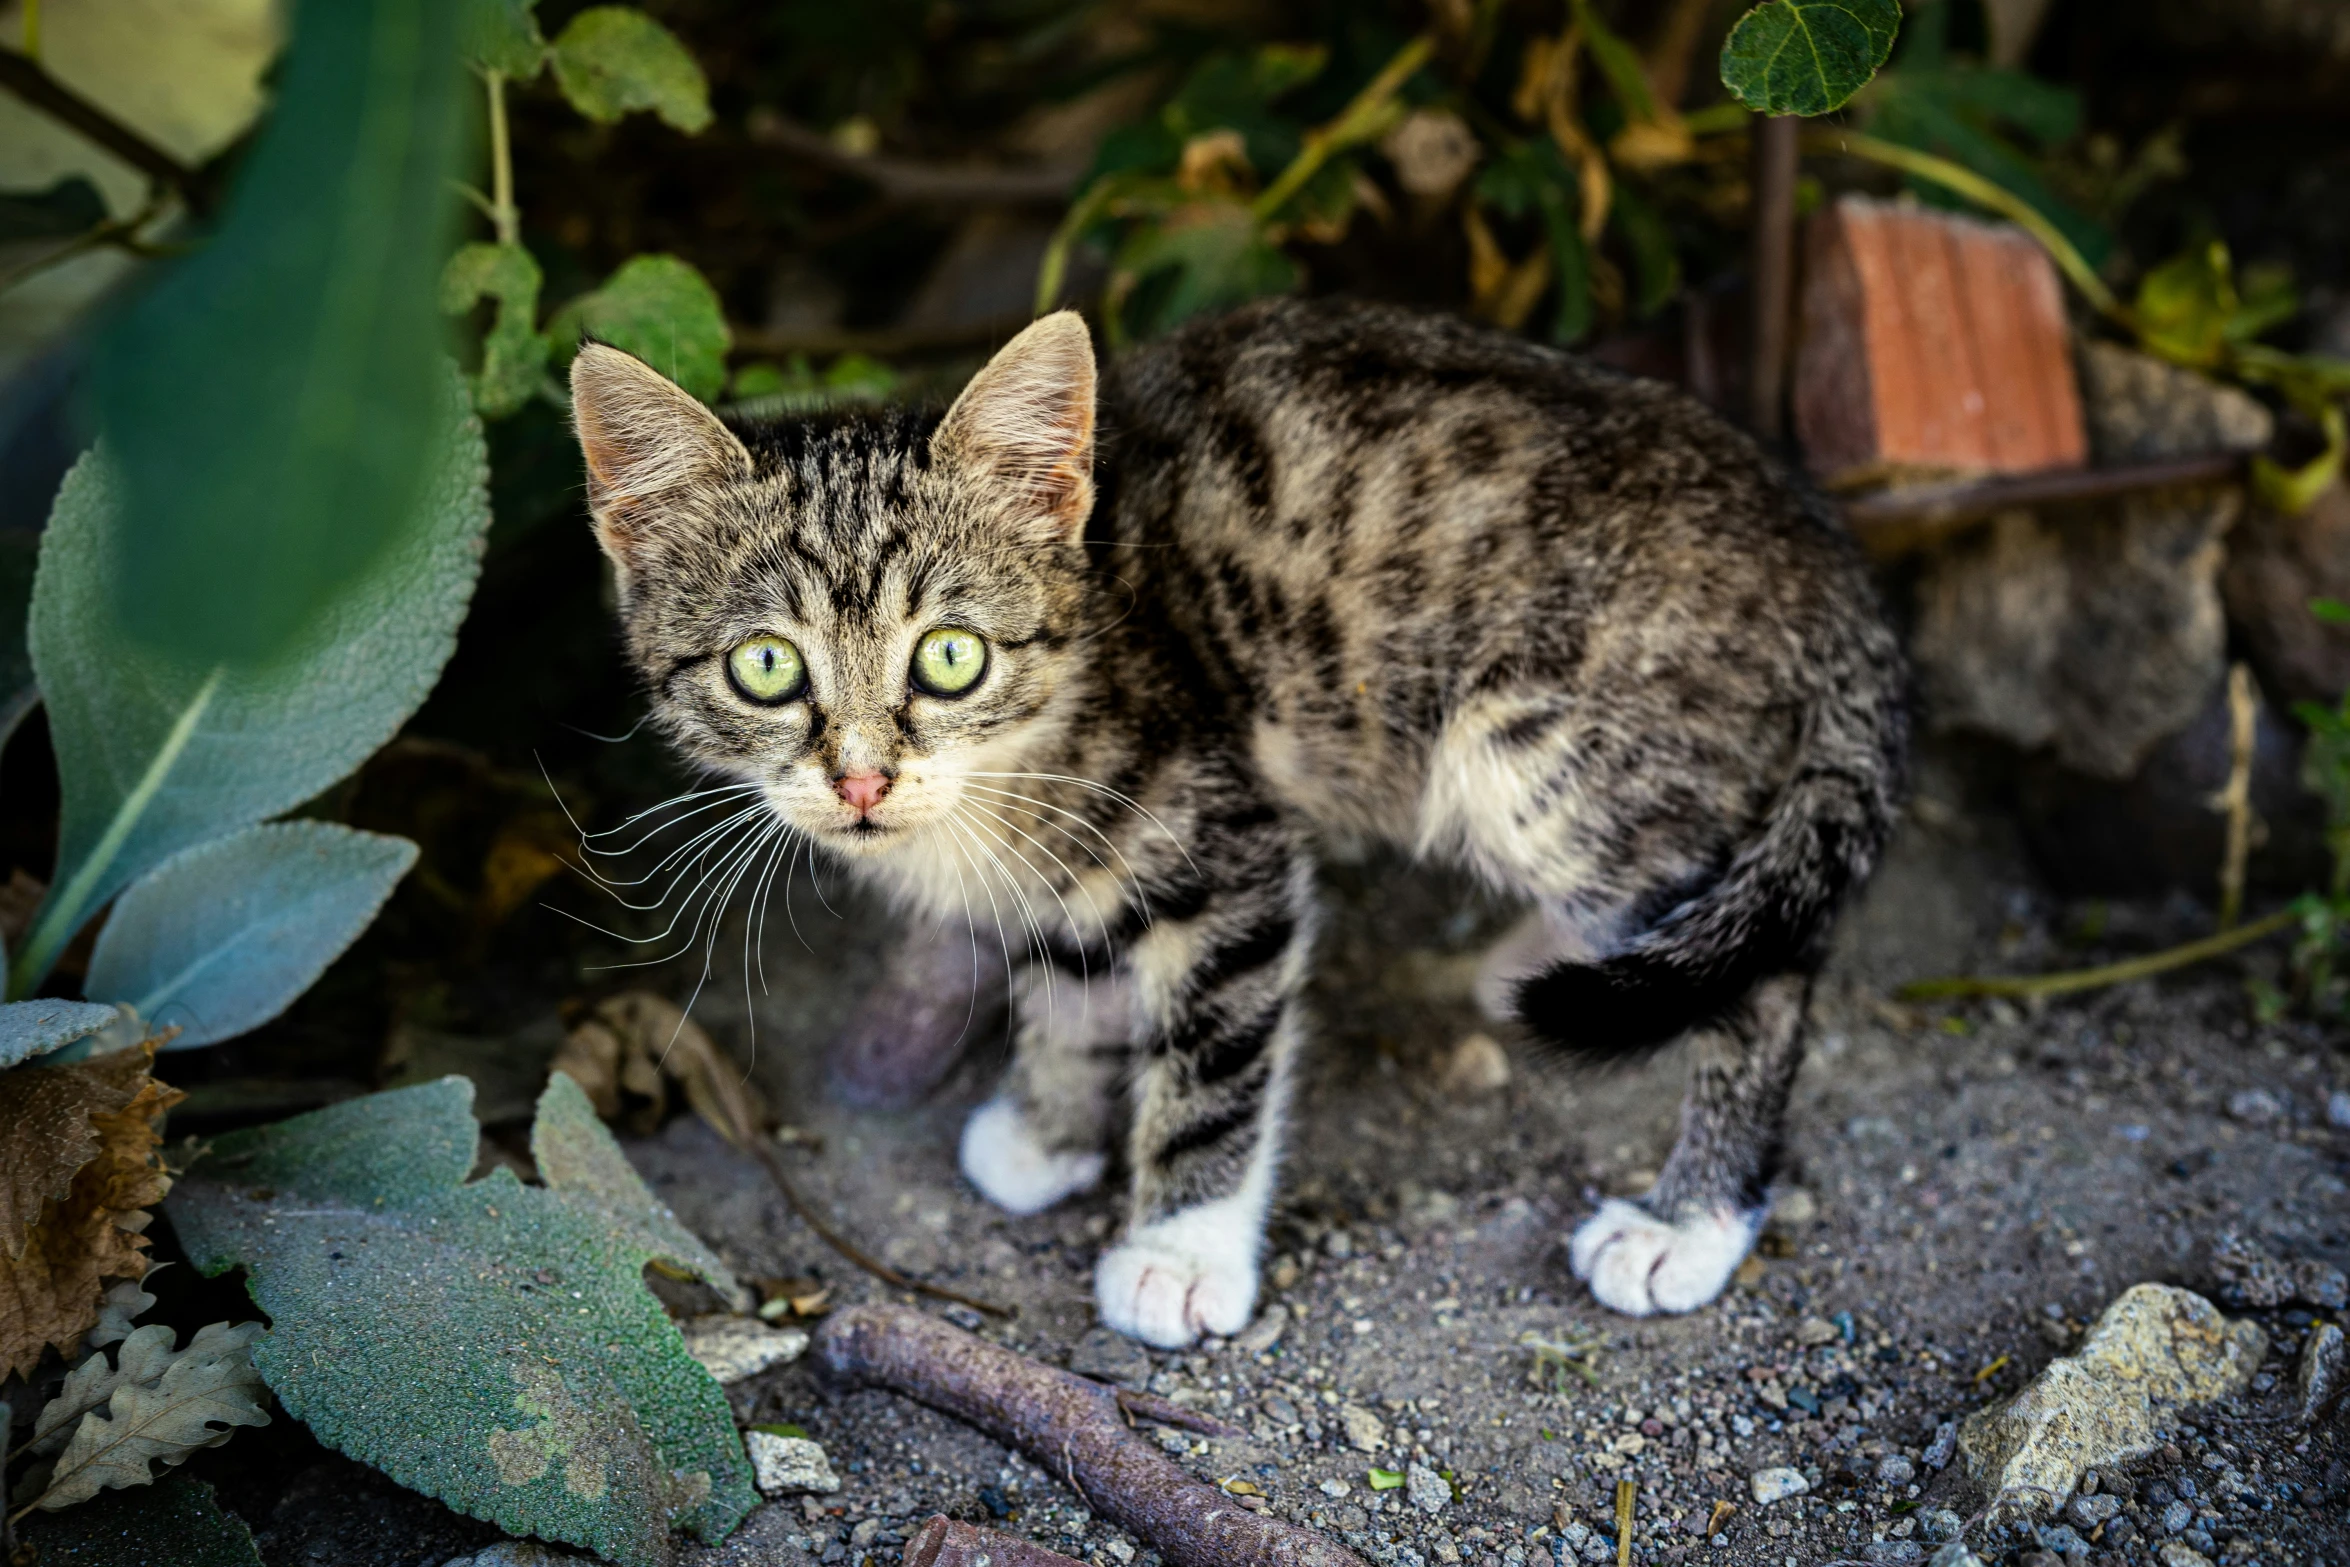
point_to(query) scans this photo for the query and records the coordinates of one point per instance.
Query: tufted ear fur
(647, 442)
(1025, 423)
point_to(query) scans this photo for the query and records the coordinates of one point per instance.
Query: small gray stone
(1938, 1452)
(1106, 1355)
(1776, 1485)
(2176, 1517)
(2062, 1539)
(2254, 1106)
(1893, 1469)
(1954, 1554)
(2323, 1372)
(733, 1348)
(785, 1465)
(2338, 1107)
(1172, 1441)
(1893, 1553)
(1364, 1432)
(1425, 1489)
(2321, 1284)
(518, 1553)
(2175, 1553)
(1940, 1524)
(2089, 1511)
(1335, 1488)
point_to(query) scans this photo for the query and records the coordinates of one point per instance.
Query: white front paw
(1002, 1157)
(1639, 1264)
(1171, 1281)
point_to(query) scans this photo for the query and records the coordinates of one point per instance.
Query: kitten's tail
(1768, 913)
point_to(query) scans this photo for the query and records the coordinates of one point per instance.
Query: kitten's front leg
(1209, 1104)
(1046, 1133)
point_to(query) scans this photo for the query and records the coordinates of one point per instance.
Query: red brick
(1932, 346)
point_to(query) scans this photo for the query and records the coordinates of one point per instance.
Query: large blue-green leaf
(487, 1343)
(1807, 56)
(271, 402)
(220, 938)
(175, 1521)
(154, 755)
(34, 1028)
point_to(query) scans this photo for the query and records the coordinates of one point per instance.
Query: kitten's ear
(1026, 423)
(647, 442)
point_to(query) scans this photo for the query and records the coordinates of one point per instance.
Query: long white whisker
(1100, 924)
(1107, 793)
(1035, 931)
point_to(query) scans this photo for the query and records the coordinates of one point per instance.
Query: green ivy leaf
(1203, 257)
(484, 1342)
(513, 354)
(2332, 611)
(1807, 56)
(659, 309)
(612, 59)
(503, 35)
(1386, 1479)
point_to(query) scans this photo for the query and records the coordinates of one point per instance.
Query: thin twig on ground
(1071, 1427)
(2028, 985)
(2236, 799)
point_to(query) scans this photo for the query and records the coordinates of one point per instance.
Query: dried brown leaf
(197, 1398)
(622, 1053)
(77, 1173)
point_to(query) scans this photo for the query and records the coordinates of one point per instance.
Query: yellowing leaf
(612, 59)
(77, 1172)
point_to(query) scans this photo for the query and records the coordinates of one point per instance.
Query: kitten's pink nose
(863, 791)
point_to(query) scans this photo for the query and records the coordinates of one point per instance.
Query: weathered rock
(1940, 1525)
(2156, 830)
(1893, 1469)
(788, 1465)
(1263, 1333)
(2276, 565)
(1893, 1553)
(2093, 635)
(1776, 1485)
(2087, 1512)
(1939, 1451)
(1954, 1554)
(1106, 1355)
(519, 1553)
(1364, 1432)
(1477, 1065)
(2324, 1372)
(732, 1348)
(2250, 1277)
(2154, 1346)
(2178, 1553)
(2141, 409)
(1425, 1489)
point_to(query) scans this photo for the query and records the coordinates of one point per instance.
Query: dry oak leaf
(202, 1395)
(77, 1173)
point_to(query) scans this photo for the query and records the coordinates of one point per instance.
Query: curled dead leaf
(77, 1173)
(633, 1044)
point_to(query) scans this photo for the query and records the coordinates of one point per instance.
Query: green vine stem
(2029, 985)
(504, 216)
(1358, 122)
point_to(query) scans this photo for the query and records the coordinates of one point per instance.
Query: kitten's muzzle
(862, 791)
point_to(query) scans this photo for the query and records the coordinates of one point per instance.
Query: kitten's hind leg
(1675, 1249)
(1045, 1134)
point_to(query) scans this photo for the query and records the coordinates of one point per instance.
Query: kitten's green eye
(766, 670)
(949, 661)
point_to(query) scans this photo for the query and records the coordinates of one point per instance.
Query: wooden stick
(1773, 177)
(2236, 799)
(1071, 1427)
(949, 1542)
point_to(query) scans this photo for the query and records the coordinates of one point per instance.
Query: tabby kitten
(1333, 570)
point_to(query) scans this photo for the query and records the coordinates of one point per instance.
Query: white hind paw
(1639, 1264)
(1171, 1281)
(1001, 1156)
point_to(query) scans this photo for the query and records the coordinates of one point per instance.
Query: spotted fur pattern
(1349, 573)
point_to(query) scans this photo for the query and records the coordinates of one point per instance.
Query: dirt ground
(1964, 1190)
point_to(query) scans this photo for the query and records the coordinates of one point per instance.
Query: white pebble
(787, 1464)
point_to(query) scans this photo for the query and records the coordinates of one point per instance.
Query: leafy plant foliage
(1807, 56)
(266, 402)
(122, 1529)
(485, 1342)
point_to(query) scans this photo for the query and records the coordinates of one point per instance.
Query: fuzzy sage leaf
(154, 756)
(1807, 56)
(129, 1529)
(34, 1028)
(485, 1342)
(220, 938)
(271, 402)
